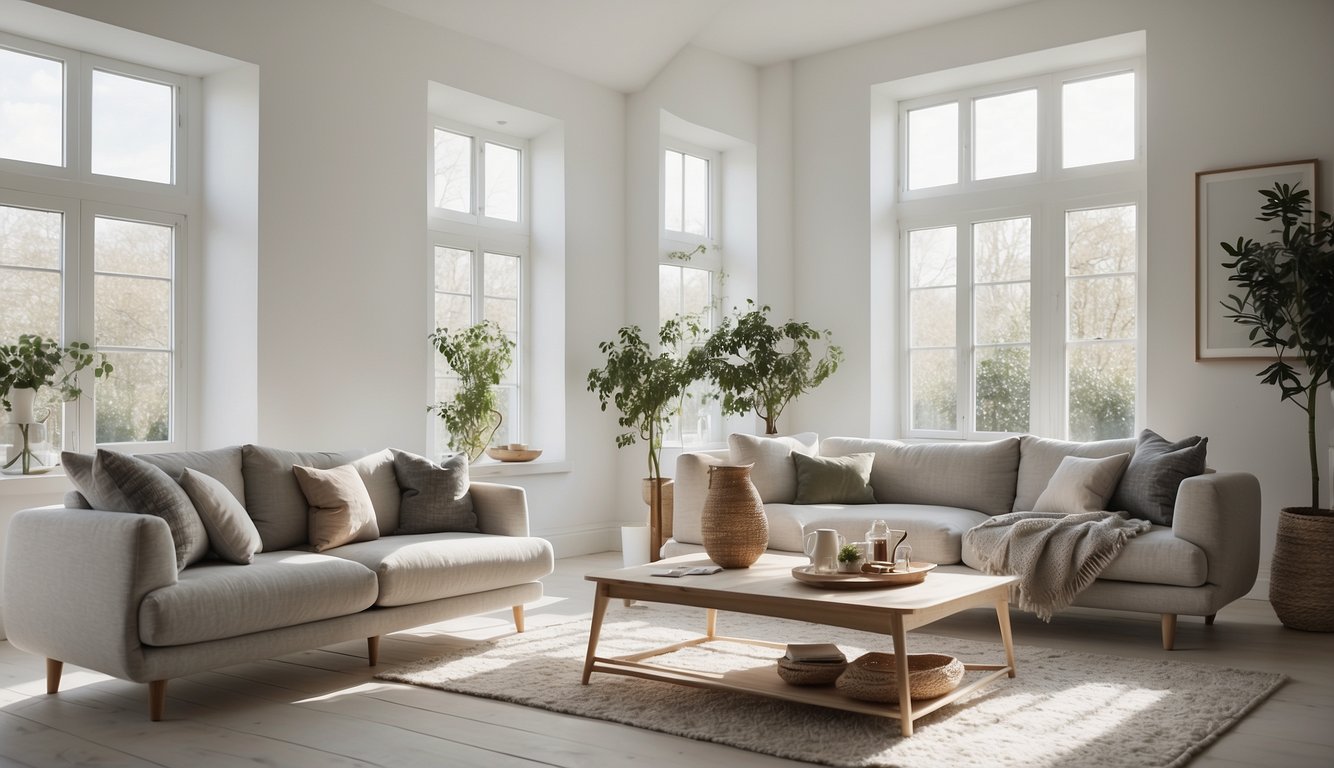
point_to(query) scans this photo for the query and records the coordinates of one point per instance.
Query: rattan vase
(1301, 577)
(735, 531)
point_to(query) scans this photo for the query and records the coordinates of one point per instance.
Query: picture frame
(1227, 204)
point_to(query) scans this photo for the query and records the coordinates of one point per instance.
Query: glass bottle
(877, 541)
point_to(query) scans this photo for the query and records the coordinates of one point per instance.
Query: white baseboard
(571, 542)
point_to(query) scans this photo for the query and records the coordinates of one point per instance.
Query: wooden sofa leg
(53, 670)
(157, 699)
(373, 650)
(518, 618)
(1209, 620)
(1169, 631)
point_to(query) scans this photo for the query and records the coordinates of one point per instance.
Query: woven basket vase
(735, 531)
(1301, 577)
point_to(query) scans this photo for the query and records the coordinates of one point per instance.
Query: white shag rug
(1063, 708)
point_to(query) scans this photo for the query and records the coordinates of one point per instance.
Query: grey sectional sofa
(1204, 559)
(102, 589)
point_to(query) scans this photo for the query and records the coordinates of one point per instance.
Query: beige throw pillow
(341, 511)
(232, 535)
(773, 473)
(1082, 484)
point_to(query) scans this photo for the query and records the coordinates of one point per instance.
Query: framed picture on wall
(1227, 202)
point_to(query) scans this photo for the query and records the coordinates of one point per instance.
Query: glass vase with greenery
(478, 355)
(35, 363)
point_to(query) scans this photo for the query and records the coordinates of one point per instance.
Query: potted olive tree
(647, 387)
(34, 363)
(479, 355)
(761, 367)
(1286, 298)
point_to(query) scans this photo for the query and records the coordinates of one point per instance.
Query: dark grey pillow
(1148, 489)
(834, 480)
(435, 496)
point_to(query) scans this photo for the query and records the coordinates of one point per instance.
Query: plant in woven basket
(478, 355)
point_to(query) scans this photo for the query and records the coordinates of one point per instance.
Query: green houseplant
(33, 363)
(1286, 298)
(759, 366)
(479, 355)
(647, 388)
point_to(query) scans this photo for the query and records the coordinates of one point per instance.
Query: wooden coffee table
(768, 589)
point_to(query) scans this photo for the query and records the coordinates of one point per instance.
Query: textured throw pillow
(341, 511)
(232, 535)
(272, 496)
(836, 480)
(1148, 489)
(1081, 484)
(772, 472)
(117, 482)
(435, 496)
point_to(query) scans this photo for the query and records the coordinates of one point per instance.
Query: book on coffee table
(815, 653)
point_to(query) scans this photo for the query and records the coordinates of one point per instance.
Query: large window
(92, 217)
(1021, 249)
(479, 242)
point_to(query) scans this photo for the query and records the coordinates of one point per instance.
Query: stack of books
(814, 653)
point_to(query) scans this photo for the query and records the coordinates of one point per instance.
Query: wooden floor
(323, 707)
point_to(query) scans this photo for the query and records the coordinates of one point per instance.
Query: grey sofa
(1206, 558)
(102, 590)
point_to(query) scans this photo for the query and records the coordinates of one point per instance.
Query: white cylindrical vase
(634, 545)
(20, 405)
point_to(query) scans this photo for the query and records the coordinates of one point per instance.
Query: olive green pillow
(835, 479)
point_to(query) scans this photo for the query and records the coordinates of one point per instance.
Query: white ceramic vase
(20, 405)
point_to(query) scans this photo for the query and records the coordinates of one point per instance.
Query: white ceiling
(622, 44)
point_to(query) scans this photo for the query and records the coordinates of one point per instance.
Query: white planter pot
(20, 405)
(634, 545)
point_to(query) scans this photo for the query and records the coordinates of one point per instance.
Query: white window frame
(477, 215)
(1043, 196)
(714, 158)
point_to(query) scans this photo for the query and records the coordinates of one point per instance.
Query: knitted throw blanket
(1055, 556)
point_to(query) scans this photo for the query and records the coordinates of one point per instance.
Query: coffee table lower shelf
(764, 681)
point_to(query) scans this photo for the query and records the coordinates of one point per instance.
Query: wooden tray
(505, 454)
(915, 574)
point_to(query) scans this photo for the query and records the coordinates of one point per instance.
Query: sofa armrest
(690, 486)
(74, 580)
(1220, 513)
(501, 509)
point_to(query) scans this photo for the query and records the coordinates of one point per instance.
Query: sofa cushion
(272, 496)
(934, 532)
(1148, 489)
(432, 566)
(341, 511)
(834, 479)
(1082, 485)
(216, 600)
(773, 473)
(978, 476)
(377, 473)
(231, 534)
(434, 496)
(1040, 456)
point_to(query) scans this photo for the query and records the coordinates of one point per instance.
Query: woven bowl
(808, 673)
(873, 677)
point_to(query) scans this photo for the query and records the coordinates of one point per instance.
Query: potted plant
(647, 388)
(1286, 298)
(761, 367)
(479, 355)
(36, 362)
(849, 559)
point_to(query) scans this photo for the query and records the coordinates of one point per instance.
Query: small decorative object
(874, 677)
(877, 536)
(736, 531)
(514, 452)
(821, 546)
(902, 557)
(25, 368)
(479, 355)
(850, 559)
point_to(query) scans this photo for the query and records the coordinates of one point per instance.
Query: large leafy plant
(1287, 299)
(762, 367)
(35, 362)
(479, 355)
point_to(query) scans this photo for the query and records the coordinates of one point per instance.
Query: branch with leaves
(36, 362)
(479, 355)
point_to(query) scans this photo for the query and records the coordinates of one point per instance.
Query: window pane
(1101, 307)
(1101, 240)
(1102, 390)
(133, 247)
(933, 146)
(669, 292)
(932, 317)
(1002, 382)
(695, 184)
(673, 212)
(30, 238)
(32, 108)
(502, 182)
(501, 276)
(932, 257)
(507, 403)
(131, 312)
(696, 291)
(1098, 120)
(133, 127)
(29, 303)
(1001, 313)
(1001, 250)
(453, 270)
(502, 312)
(453, 311)
(453, 171)
(934, 389)
(134, 405)
(1005, 135)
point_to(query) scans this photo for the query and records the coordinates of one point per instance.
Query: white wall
(1229, 83)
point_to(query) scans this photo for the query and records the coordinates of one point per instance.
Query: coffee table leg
(1003, 618)
(901, 668)
(711, 623)
(595, 628)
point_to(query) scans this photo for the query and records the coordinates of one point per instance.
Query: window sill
(497, 469)
(53, 482)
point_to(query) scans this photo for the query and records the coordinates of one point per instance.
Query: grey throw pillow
(834, 480)
(1148, 489)
(435, 496)
(232, 535)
